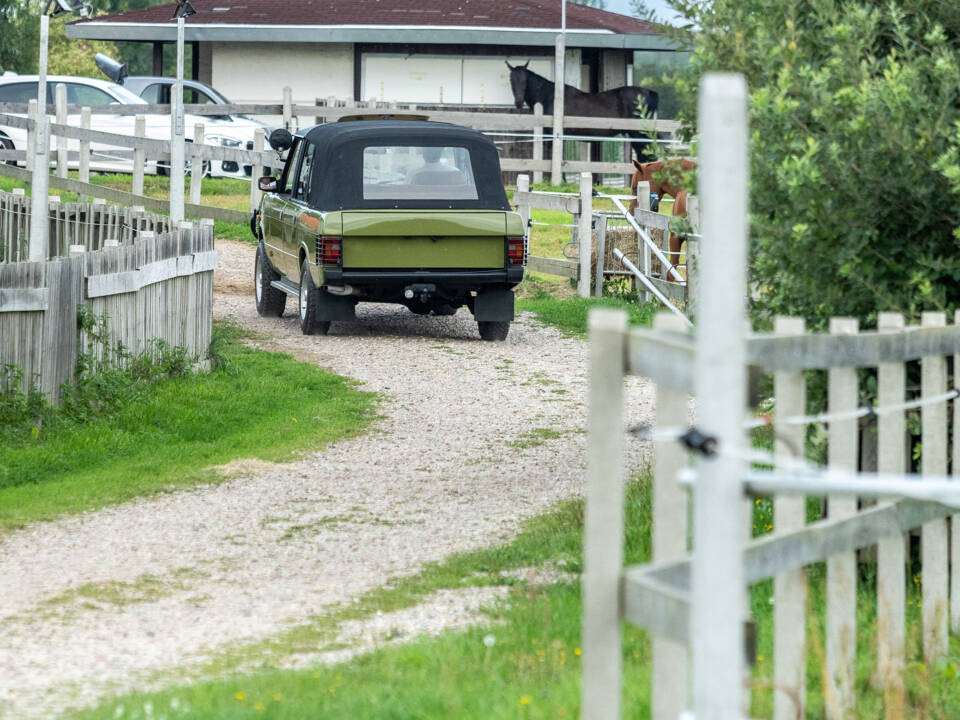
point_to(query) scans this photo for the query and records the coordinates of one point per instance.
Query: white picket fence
(693, 600)
(147, 283)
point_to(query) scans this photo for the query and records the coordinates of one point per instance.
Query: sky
(623, 7)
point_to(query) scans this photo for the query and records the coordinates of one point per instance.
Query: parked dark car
(388, 210)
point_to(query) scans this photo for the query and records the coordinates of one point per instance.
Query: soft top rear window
(414, 172)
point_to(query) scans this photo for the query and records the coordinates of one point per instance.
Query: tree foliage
(854, 148)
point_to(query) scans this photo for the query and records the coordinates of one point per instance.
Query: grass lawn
(569, 314)
(524, 662)
(256, 405)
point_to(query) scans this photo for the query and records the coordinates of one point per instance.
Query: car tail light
(328, 250)
(515, 250)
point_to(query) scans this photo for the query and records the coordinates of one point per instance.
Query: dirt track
(473, 438)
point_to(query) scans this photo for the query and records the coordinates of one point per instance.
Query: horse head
(518, 83)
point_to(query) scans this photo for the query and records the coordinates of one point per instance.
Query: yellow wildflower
(525, 700)
(240, 696)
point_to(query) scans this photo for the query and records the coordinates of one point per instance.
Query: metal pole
(177, 185)
(39, 227)
(719, 597)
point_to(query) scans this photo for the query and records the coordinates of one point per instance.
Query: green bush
(854, 149)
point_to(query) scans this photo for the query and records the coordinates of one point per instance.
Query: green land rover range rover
(390, 211)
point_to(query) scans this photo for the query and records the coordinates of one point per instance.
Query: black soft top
(337, 183)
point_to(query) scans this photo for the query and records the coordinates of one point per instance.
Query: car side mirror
(267, 184)
(280, 139)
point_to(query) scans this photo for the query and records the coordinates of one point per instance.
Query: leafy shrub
(107, 378)
(854, 149)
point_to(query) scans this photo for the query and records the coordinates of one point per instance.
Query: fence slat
(891, 571)
(670, 684)
(603, 519)
(955, 519)
(789, 515)
(842, 568)
(933, 539)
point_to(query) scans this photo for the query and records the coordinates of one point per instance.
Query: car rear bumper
(498, 276)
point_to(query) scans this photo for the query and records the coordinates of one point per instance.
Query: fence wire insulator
(699, 442)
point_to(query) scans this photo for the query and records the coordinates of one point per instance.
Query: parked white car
(91, 92)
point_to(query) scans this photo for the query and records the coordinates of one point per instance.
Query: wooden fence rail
(146, 280)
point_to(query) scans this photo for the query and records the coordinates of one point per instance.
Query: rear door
(279, 214)
(305, 223)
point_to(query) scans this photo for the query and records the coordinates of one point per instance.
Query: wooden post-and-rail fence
(147, 280)
(693, 599)
(642, 239)
(146, 152)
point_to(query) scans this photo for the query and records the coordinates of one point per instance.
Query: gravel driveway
(109, 600)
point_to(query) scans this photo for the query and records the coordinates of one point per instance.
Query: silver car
(91, 92)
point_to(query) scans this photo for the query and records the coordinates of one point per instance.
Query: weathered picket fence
(616, 243)
(146, 284)
(693, 601)
(87, 224)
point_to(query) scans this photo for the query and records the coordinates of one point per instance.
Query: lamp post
(40, 180)
(177, 186)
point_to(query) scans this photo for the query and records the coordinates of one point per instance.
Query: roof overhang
(441, 35)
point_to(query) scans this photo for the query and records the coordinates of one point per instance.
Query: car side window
(87, 96)
(19, 92)
(285, 186)
(152, 94)
(302, 189)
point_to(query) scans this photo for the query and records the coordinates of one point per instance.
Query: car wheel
(7, 144)
(490, 330)
(270, 301)
(308, 304)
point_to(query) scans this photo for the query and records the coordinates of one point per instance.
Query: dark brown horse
(653, 173)
(629, 101)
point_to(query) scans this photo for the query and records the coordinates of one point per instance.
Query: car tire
(307, 305)
(7, 144)
(493, 330)
(270, 301)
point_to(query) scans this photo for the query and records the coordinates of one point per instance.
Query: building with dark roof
(434, 51)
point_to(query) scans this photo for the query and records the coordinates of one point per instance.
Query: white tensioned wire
(668, 434)
(765, 420)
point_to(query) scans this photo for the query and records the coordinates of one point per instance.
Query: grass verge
(525, 662)
(570, 315)
(256, 404)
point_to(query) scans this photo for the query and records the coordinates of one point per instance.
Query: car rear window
(411, 172)
(19, 92)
